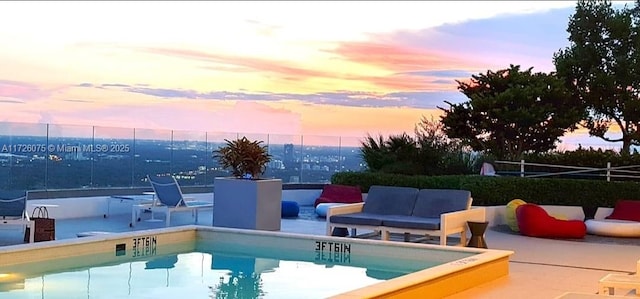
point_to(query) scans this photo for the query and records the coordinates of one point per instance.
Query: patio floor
(540, 268)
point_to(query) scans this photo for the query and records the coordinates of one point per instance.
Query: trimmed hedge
(492, 191)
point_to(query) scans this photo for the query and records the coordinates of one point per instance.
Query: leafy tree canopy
(429, 153)
(601, 67)
(511, 112)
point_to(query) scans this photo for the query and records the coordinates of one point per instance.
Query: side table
(477, 234)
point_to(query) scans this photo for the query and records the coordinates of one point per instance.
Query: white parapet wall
(495, 215)
(72, 207)
(95, 206)
(304, 197)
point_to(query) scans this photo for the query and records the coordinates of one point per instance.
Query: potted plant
(246, 159)
(246, 200)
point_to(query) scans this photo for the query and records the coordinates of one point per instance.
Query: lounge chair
(607, 284)
(13, 211)
(169, 198)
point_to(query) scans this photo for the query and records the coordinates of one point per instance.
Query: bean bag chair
(290, 209)
(334, 193)
(510, 214)
(624, 221)
(534, 221)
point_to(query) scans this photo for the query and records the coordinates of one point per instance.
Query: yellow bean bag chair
(559, 216)
(510, 214)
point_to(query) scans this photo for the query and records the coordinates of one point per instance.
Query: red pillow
(626, 210)
(339, 194)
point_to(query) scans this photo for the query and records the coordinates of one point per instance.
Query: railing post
(522, 168)
(608, 171)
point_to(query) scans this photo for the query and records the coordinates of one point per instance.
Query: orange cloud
(397, 58)
(288, 72)
(408, 82)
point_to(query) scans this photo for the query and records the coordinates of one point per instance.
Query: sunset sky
(334, 68)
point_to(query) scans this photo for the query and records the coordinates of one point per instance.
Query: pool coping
(438, 281)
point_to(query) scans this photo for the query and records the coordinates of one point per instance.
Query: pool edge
(436, 282)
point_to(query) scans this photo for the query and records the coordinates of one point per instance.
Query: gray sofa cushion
(433, 202)
(357, 219)
(390, 200)
(411, 222)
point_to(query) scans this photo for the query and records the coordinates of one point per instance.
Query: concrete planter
(248, 204)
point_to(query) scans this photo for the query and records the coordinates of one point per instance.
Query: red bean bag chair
(534, 221)
(339, 194)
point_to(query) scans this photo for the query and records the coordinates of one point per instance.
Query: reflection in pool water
(224, 271)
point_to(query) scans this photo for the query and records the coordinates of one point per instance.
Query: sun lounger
(609, 283)
(13, 211)
(169, 199)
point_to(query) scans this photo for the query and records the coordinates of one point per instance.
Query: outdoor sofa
(409, 211)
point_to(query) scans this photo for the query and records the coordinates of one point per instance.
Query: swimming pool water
(212, 270)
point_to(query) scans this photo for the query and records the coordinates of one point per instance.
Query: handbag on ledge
(45, 227)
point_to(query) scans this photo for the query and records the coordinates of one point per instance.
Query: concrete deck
(540, 268)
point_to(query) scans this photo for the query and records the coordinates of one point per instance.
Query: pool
(208, 262)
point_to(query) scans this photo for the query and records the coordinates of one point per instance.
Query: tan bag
(45, 227)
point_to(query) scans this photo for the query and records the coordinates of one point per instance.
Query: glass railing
(52, 156)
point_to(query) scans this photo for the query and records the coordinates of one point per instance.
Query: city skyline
(42, 162)
(286, 68)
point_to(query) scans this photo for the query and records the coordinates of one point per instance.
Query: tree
(431, 152)
(439, 154)
(601, 68)
(397, 154)
(511, 112)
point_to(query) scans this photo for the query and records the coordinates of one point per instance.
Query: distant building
(289, 159)
(276, 164)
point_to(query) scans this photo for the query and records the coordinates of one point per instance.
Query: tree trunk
(626, 146)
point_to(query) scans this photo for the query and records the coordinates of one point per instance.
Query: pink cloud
(247, 63)
(21, 90)
(397, 57)
(391, 58)
(409, 82)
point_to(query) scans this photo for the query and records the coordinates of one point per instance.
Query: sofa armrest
(457, 221)
(342, 209)
(345, 209)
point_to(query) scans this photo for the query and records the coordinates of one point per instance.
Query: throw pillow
(510, 214)
(626, 210)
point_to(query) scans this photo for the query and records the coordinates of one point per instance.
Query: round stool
(477, 234)
(290, 209)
